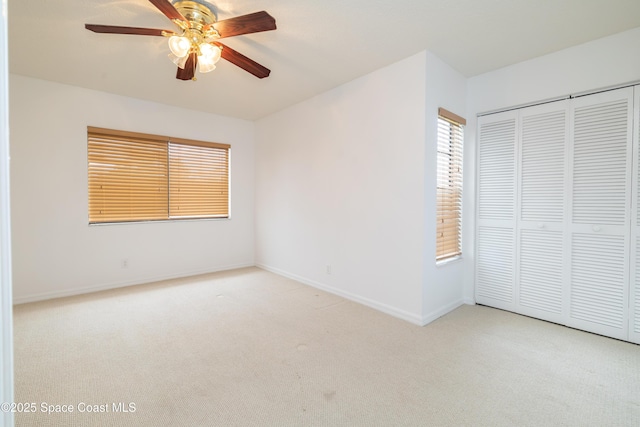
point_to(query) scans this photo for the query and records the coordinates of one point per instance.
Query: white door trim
(6, 339)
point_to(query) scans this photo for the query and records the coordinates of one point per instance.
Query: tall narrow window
(140, 177)
(449, 191)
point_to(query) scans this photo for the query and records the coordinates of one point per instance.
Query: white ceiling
(319, 44)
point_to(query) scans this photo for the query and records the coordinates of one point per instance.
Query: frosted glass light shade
(179, 46)
(205, 64)
(209, 51)
(180, 62)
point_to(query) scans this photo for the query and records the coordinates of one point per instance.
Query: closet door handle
(596, 228)
(541, 225)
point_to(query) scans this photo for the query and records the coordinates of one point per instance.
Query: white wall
(348, 179)
(602, 63)
(55, 251)
(340, 182)
(443, 284)
(598, 64)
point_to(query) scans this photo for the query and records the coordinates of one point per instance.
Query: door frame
(6, 303)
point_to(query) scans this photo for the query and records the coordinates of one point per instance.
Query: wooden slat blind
(199, 181)
(449, 187)
(140, 177)
(127, 180)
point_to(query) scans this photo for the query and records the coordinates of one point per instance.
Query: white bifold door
(634, 272)
(542, 211)
(496, 201)
(601, 156)
(557, 237)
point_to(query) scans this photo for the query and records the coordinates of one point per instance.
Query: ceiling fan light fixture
(200, 30)
(179, 46)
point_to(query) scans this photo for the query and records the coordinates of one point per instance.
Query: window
(449, 192)
(140, 177)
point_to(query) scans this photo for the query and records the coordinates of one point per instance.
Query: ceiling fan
(196, 45)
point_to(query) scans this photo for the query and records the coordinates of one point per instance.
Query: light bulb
(209, 51)
(180, 62)
(179, 46)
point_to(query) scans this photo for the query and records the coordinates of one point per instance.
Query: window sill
(448, 261)
(157, 221)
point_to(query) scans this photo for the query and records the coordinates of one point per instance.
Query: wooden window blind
(449, 185)
(198, 181)
(141, 177)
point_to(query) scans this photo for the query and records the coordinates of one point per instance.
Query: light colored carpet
(250, 348)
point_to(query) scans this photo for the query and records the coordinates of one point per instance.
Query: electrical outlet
(328, 269)
(125, 263)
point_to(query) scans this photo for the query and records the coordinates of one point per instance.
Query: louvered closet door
(495, 239)
(541, 211)
(601, 156)
(634, 319)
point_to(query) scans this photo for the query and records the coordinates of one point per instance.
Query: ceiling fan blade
(113, 29)
(243, 62)
(245, 24)
(168, 9)
(189, 69)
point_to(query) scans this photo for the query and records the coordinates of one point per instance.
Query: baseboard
(384, 308)
(114, 285)
(428, 318)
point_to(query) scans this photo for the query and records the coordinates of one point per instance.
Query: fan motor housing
(196, 13)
